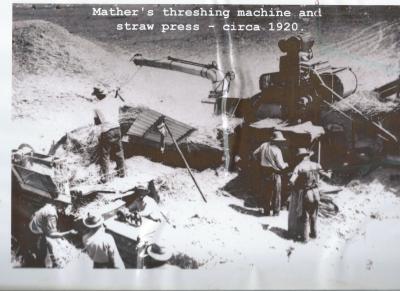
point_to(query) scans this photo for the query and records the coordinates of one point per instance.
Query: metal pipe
(220, 81)
(319, 151)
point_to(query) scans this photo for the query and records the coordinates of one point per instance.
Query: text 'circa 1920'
(265, 19)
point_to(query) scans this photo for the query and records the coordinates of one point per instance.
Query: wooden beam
(185, 161)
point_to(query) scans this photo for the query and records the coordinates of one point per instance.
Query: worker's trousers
(310, 213)
(45, 248)
(111, 145)
(273, 192)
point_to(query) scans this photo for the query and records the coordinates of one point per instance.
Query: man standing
(109, 144)
(44, 224)
(305, 202)
(100, 245)
(272, 164)
(303, 109)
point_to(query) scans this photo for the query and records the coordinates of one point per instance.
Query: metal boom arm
(220, 81)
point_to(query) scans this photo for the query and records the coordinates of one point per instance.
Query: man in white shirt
(271, 160)
(110, 144)
(44, 224)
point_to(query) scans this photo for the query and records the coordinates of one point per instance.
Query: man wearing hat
(304, 206)
(304, 109)
(147, 207)
(272, 164)
(110, 144)
(99, 245)
(154, 256)
(44, 225)
(22, 155)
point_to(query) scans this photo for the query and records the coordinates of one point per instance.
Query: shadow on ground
(282, 233)
(244, 187)
(248, 211)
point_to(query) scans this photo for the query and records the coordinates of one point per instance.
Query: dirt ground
(56, 65)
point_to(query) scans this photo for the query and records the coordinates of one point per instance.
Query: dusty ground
(54, 72)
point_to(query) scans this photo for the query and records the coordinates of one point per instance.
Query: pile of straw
(368, 103)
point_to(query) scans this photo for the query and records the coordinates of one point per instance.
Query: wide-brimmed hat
(158, 253)
(303, 152)
(278, 136)
(304, 100)
(93, 220)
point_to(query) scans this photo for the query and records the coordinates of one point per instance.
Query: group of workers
(303, 183)
(99, 245)
(102, 249)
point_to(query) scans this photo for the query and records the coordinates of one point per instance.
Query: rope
(128, 80)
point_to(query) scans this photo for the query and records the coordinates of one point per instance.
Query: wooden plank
(177, 122)
(148, 119)
(142, 122)
(133, 130)
(179, 125)
(152, 130)
(140, 125)
(189, 132)
(178, 129)
(151, 113)
(139, 129)
(146, 122)
(186, 163)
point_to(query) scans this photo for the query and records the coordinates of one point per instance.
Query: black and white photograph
(260, 141)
